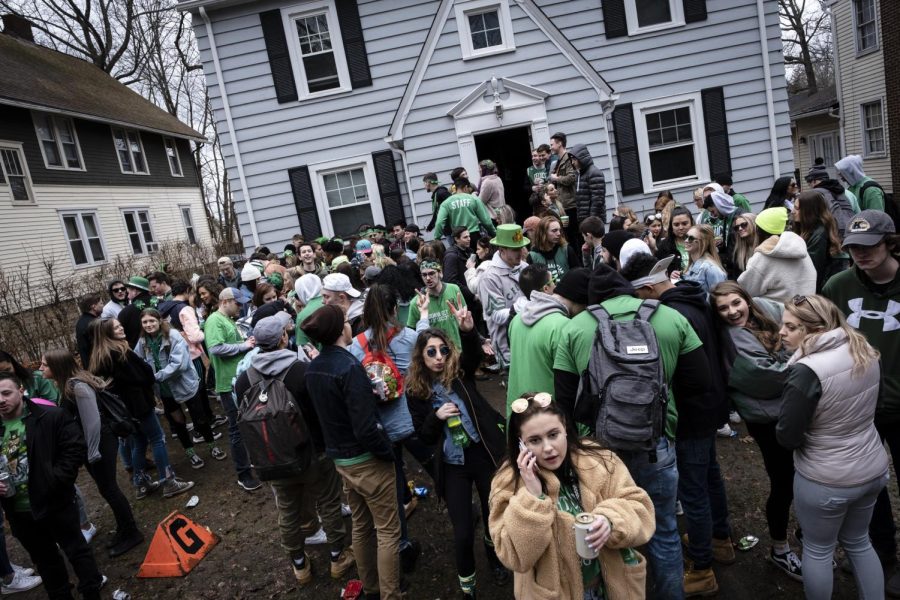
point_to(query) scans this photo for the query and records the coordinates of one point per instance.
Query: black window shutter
(354, 44)
(279, 59)
(714, 117)
(388, 186)
(627, 151)
(614, 20)
(694, 10)
(305, 202)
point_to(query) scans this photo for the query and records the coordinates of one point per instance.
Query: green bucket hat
(510, 236)
(141, 283)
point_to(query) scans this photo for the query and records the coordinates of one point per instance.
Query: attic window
(130, 151)
(644, 16)
(59, 142)
(485, 28)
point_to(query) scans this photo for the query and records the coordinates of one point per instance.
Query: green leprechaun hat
(510, 236)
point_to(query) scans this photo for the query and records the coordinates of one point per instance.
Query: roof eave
(89, 117)
(190, 5)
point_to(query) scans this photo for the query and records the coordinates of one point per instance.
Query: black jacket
(82, 340)
(56, 450)
(171, 309)
(132, 380)
(488, 421)
(665, 248)
(130, 317)
(346, 405)
(590, 188)
(440, 194)
(702, 416)
(455, 271)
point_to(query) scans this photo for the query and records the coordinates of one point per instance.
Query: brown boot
(722, 550)
(700, 582)
(343, 563)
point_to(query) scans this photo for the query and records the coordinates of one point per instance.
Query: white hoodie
(498, 290)
(779, 269)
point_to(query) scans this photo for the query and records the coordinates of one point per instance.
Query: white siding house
(88, 169)
(333, 110)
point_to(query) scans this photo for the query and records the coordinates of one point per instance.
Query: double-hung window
(485, 27)
(130, 151)
(644, 16)
(317, 49)
(140, 231)
(866, 25)
(58, 141)
(188, 221)
(82, 230)
(873, 128)
(671, 142)
(14, 172)
(346, 195)
(174, 159)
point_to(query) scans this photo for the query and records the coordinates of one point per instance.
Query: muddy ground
(249, 562)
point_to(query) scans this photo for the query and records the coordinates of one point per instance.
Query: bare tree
(806, 36)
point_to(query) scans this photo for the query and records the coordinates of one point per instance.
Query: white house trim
(289, 17)
(770, 97)
(676, 10)
(566, 48)
(316, 172)
(464, 8)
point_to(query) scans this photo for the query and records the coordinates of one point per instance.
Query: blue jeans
(660, 481)
(150, 433)
(238, 451)
(702, 495)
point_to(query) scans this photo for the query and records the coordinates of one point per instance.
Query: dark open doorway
(511, 150)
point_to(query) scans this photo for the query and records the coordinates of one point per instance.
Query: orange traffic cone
(178, 546)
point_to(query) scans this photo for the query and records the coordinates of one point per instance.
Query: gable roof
(543, 22)
(804, 104)
(36, 77)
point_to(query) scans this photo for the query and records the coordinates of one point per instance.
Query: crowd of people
(624, 348)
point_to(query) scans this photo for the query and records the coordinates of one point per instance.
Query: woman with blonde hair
(827, 418)
(704, 267)
(745, 243)
(549, 247)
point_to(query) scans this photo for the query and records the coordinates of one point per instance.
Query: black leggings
(458, 480)
(104, 474)
(779, 463)
(175, 417)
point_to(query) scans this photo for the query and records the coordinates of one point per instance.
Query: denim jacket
(177, 370)
(453, 454)
(705, 272)
(394, 415)
(346, 405)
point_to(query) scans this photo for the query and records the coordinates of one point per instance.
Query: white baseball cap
(338, 282)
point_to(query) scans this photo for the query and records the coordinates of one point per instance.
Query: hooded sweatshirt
(498, 289)
(874, 310)
(779, 269)
(309, 292)
(851, 169)
(838, 202)
(590, 185)
(534, 335)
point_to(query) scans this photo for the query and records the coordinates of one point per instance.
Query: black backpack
(113, 410)
(623, 392)
(890, 205)
(273, 428)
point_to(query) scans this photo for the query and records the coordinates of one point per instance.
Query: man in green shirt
(850, 169)
(684, 363)
(440, 294)
(462, 209)
(535, 333)
(226, 347)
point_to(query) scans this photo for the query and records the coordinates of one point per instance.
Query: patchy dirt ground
(249, 562)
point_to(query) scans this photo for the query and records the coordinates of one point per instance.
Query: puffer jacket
(779, 269)
(176, 369)
(590, 186)
(536, 540)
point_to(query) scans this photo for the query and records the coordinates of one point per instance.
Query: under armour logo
(889, 316)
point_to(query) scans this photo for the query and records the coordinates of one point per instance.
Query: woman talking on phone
(448, 412)
(535, 499)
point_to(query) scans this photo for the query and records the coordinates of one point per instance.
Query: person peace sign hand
(461, 313)
(422, 301)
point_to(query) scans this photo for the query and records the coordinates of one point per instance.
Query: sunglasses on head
(740, 226)
(520, 405)
(432, 351)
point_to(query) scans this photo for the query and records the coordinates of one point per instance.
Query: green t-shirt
(16, 453)
(673, 333)
(312, 306)
(219, 329)
(439, 315)
(42, 388)
(531, 355)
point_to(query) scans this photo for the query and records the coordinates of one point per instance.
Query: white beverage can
(583, 522)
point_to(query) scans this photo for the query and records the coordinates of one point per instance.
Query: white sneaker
(725, 431)
(734, 417)
(22, 570)
(20, 583)
(345, 510)
(89, 533)
(317, 538)
(678, 509)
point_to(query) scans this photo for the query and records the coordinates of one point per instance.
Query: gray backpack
(623, 392)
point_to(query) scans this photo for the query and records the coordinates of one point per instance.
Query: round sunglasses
(432, 351)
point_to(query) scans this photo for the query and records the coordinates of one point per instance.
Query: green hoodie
(876, 314)
(464, 210)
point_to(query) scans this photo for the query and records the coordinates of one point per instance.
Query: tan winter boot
(700, 582)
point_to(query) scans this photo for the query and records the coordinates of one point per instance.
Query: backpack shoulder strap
(647, 309)
(599, 312)
(363, 342)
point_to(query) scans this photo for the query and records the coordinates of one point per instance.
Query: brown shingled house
(89, 169)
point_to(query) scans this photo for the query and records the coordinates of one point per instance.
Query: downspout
(230, 123)
(837, 84)
(770, 101)
(607, 112)
(412, 203)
